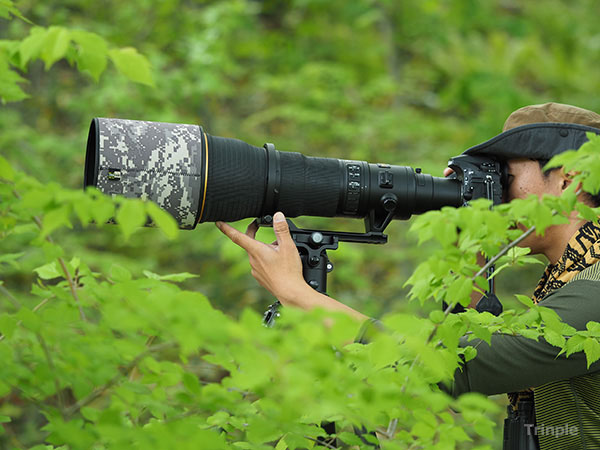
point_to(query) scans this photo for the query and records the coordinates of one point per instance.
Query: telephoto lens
(198, 178)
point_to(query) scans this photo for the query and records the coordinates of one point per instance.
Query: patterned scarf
(582, 251)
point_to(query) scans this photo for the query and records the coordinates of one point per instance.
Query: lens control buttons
(352, 188)
(386, 179)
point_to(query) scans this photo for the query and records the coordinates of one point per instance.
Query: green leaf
(7, 8)
(436, 316)
(554, 338)
(162, 219)
(591, 347)
(132, 64)
(7, 325)
(31, 47)
(103, 210)
(84, 210)
(593, 328)
(470, 353)
(586, 212)
(92, 52)
(524, 300)
(261, 429)
(55, 46)
(30, 320)
(551, 319)
(281, 445)
(10, 91)
(56, 218)
(530, 333)
(4, 419)
(6, 171)
(130, 216)
(177, 277)
(119, 273)
(191, 383)
(575, 344)
(220, 418)
(350, 439)
(49, 271)
(460, 291)
(482, 333)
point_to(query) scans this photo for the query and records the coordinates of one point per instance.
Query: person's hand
(277, 267)
(448, 171)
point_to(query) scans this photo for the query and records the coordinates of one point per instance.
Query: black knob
(389, 202)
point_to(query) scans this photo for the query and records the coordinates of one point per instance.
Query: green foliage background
(408, 83)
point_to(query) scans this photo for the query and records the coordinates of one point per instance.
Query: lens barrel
(197, 177)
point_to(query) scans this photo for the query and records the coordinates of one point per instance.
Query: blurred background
(406, 83)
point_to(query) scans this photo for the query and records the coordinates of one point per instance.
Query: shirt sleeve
(513, 363)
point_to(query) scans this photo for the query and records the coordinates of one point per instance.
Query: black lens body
(246, 181)
(202, 178)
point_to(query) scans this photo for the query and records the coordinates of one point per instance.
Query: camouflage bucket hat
(540, 132)
(157, 161)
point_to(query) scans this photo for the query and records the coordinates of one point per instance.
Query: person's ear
(566, 178)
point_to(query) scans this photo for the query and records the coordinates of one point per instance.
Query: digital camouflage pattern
(158, 161)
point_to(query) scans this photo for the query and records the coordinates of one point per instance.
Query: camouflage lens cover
(162, 162)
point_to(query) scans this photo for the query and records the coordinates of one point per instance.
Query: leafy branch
(114, 380)
(61, 262)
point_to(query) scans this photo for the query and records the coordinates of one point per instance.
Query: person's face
(525, 178)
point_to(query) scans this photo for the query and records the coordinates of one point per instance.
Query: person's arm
(277, 267)
(514, 363)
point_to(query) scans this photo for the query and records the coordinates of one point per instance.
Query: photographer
(565, 392)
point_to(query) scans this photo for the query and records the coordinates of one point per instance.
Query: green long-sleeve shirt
(566, 392)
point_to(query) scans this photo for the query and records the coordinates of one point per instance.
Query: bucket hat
(540, 132)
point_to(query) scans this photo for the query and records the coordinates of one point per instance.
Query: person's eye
(510, 178)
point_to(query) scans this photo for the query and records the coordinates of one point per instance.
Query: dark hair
(594, 199)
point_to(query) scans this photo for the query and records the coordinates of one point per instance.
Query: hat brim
(534, 141)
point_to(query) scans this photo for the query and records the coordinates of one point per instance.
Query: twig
(16, 303)
(391, 430)
(321, 442)
(503, 252)
(43, 302)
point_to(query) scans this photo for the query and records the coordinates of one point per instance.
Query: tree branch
(503, 252)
